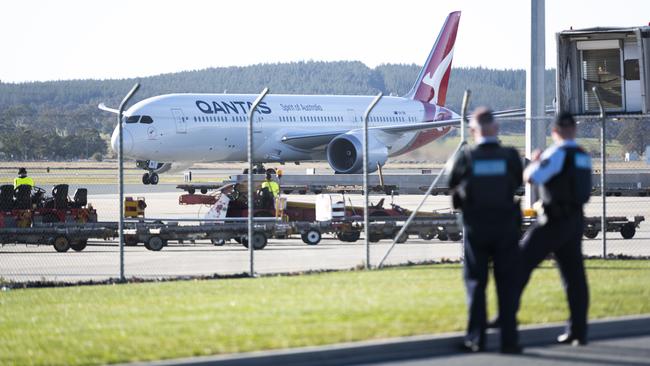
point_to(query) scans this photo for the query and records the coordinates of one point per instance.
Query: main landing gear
(259, 169)
(150, 178)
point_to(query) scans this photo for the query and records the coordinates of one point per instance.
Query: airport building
(616, 60)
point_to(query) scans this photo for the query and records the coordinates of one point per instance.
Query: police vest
(490, 185)
(21, 181)
(567, 191)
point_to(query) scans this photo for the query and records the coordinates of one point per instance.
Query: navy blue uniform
(484, 181)
(563, 176)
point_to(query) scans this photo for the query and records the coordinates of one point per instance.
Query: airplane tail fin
(431, 84)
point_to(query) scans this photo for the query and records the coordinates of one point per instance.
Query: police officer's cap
(22, 171)
(564, 120)
(482, 116)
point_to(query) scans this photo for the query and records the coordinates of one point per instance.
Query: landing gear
(259, 169)
(150, 178)
(152, 168)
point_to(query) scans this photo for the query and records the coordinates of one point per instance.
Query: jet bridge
(616, 60)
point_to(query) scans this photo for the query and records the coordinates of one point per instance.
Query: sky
(99, 39)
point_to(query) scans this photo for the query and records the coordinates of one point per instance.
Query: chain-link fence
(204, 253)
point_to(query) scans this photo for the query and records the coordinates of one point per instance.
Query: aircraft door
(180, 120)
(352, 116)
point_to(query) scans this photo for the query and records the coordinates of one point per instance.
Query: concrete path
(617, 341)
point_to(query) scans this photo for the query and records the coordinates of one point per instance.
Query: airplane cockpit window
(132, 119)
(146, 119)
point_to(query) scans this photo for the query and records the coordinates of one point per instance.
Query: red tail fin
(431, 84)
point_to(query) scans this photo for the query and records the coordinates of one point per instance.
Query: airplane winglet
(103, 107)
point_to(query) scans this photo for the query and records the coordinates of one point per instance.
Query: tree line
(53, 114)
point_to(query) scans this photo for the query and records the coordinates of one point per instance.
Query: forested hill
(66, 107)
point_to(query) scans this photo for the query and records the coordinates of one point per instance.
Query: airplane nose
(127, 140)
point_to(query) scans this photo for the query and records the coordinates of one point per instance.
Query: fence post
(251, 183)
(366, 220)
(120, 159)
(603, 171)
(433, 184)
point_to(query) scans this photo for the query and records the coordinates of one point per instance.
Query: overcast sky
(67, 39)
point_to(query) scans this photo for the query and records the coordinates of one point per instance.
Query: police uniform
(484, 180)
(563, 176)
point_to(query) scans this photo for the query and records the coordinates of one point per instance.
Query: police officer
(484, 180)
(23, 179)
(563, 175)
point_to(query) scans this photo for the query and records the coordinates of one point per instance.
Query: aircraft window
(194, 118)
(146, 119)
(132, 119)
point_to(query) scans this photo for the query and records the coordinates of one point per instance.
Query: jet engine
(345, 153)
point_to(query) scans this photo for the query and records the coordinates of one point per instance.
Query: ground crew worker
(484, 180)
(23, 179)
(271, 185)
(563, 175)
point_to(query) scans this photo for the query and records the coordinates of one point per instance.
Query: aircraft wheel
(145, 179)
(153, 178)
(442, 236)
(218, 242)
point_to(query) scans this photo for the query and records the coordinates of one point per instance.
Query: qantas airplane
(188, 128)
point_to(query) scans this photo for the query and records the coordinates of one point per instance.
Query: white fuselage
(213, 127)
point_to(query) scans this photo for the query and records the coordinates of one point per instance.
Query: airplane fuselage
(213, 127)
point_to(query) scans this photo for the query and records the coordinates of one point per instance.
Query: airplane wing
(310, 140)
(103, 107)
(315, 140)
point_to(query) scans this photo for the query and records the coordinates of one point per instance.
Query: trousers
(481, 245)
(563, 238)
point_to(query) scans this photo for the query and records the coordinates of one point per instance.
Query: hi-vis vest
(21, 181)
(272, 186)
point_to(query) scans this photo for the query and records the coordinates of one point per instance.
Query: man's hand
(536, 155)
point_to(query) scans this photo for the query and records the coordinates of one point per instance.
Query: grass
(148, 321)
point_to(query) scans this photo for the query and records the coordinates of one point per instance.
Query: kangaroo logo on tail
(431, 85)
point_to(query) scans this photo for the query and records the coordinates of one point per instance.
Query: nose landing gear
(150, 178)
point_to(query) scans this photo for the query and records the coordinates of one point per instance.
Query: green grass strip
(149, 321)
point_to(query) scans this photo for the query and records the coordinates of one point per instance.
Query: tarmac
(617, 341)
(100, 260)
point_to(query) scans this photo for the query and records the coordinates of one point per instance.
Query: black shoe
(469, 346)
(512, 350)
(567, 338)
(493, 323)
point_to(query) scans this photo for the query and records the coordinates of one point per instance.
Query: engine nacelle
(345, 153)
